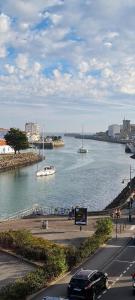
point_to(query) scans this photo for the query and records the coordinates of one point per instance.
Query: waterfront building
(114, 130)
(126, 129)
(4, 148)
(32, 131)
(133, 130)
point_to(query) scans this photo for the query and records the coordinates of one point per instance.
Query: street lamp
(130, 187)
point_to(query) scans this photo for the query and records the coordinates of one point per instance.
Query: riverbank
(14, 161)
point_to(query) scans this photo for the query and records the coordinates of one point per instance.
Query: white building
(32, 131)
(113, 130)
(5, 149)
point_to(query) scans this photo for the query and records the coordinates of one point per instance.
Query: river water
(92, 180)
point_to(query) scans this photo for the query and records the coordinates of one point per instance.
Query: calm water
(91, 179)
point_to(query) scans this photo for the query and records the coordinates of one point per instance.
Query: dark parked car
(53, 298)
(87, 284)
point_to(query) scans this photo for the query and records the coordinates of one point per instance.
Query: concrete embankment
(13, 161)
(121, 199)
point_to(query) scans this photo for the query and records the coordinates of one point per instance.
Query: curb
(22, 259)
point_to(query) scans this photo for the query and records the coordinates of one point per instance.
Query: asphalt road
(117, 259)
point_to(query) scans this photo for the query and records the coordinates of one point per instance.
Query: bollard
(120, 228)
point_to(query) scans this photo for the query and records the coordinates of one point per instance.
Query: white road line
(127, 268)
(132, 227)
(123, 261)
(124, 271)
(99, 296)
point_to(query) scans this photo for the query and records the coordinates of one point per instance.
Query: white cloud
(4, 23)
(24, 26)
(9, 68)
(3, 52)
(85, 52)
(37, 67)
(108, 44)
(22, 61)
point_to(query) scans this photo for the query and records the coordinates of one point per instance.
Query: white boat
(46, 171)
(82, 149)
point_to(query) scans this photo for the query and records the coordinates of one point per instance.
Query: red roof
(2, 142)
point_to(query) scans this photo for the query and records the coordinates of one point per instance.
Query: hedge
(57, 259)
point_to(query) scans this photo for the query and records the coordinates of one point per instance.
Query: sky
(67, 63)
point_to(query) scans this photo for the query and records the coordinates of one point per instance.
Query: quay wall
(13, 161)
(121, 199)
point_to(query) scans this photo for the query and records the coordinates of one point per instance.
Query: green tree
(17, 139)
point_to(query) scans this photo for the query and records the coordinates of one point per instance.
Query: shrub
(23, 286)
(104, 226)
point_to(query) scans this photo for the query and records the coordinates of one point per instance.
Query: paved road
(119, 271)
(117, 258)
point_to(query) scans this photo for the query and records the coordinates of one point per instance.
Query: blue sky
(64, 63)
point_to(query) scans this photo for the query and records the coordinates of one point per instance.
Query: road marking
(132, 227)
(123, 261)
(124, 271)
(99, 296)
(127, 268)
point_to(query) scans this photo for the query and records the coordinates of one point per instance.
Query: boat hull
(82, 150)
(47, 171)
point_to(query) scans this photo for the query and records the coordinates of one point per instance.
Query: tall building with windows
(32, 131)
(113, 130)
(126, 129)
(32, 128)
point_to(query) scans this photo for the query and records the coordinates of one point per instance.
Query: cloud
(22, 61)
(4, 23)
(78, 48)
(3, 52)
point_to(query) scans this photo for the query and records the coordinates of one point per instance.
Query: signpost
(80, 216)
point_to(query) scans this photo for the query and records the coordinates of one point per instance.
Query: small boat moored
(82, 150)
(46, 171)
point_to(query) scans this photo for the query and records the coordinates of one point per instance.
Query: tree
(17, 139)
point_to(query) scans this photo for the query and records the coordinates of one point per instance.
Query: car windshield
(81, 283)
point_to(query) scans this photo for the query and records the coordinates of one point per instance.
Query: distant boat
(82, 149)
(46, 171)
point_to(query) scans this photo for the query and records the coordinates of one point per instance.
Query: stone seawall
(13, 161)
(121, 199)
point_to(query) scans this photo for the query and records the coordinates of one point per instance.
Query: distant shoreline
(95, 138)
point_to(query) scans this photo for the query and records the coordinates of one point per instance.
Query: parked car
(87, 284)
(133, 282)
(53, 298)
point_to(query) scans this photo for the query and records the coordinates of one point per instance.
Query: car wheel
(106, 284)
